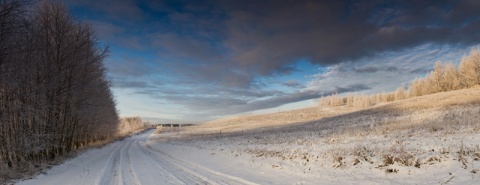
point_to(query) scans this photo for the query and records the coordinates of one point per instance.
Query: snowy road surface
(132, 161)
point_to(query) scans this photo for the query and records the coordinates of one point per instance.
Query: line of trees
(361, 101)
(448, 77)
(444, 77)
(54, 96)
(127, 125)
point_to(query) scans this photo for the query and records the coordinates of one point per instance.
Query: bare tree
(451, 80)
(54, 96)
(436, 78)
(470, 69)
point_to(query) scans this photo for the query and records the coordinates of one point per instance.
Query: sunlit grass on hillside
(444, 77)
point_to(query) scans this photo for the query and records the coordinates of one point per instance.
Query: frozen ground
(134, 160)
(155, 159)
(306, 160)
(427, 140)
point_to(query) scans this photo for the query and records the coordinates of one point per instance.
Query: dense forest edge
(55, 98)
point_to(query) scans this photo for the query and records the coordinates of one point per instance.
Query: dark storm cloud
(112, 9)
(248, 39)
(266, 39)
(217, 50)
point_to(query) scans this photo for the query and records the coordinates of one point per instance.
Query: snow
(426, 140)
(231, 157)
(151, 159)
(132, 161)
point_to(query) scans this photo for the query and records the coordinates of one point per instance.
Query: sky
(194, 61)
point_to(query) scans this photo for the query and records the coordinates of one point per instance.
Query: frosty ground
(135, 160)
(426, 140)
(141, 160)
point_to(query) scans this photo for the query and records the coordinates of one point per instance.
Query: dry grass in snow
(252, 122)
(422, 136)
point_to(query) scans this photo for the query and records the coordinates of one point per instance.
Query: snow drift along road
(131, 161)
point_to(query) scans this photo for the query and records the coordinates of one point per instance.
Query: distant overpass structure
(174, 125)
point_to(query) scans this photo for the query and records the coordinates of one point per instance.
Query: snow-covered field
(306, 160)
(427, 140)
(140, 160)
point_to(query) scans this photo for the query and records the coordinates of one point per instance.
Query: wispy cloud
(292, 83)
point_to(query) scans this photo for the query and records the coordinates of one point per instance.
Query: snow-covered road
(132, 161)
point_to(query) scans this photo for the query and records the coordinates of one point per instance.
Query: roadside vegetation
(131, 125)
(54, 96)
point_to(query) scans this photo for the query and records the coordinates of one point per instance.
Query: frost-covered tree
(470, 69)
(451, 79)
(435, 78)
(54, 96)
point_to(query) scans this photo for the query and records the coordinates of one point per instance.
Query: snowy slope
(431, 139)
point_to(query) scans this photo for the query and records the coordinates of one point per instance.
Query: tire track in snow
(190, 171)
(112, 162)
(182, 177)
(146, 167)
(114, 177)
(134, 177)
(113, 172)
